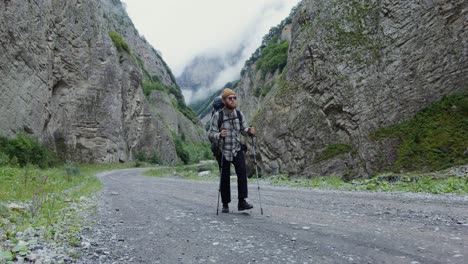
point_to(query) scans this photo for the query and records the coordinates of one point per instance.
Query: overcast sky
(182, 29)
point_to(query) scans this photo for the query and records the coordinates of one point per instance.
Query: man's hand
(223, 133)
(251, 131)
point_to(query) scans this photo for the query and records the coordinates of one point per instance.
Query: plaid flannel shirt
(232, 142)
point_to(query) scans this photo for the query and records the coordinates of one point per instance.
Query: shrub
(71, 170)
(4, 159)
(119, 42)
(181, 151)
(434, 139)
(334, 150)
(263, 91)
(274, 56)
(24, 150)
(28, 150)
(149, 86)
(3, 142)
(198, 152)
(152, 157)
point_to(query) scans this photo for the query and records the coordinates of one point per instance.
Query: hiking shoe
(244, 205)
(225, 209)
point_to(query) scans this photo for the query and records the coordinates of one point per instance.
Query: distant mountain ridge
(201, 76)
(201, 72)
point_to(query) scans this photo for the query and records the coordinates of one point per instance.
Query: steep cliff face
(354, 67)
(66, 82)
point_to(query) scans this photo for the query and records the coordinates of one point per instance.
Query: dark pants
(239, 165)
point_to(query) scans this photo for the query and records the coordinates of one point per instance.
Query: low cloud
(183, 29)
(250, 39)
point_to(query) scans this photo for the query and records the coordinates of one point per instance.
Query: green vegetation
(23, 150)
(48, 190)
(181, 152)
(274, 33)
(348, 28)
(435, 183)
(387, 183)
(263, 90)
(198, 152)
(46, 200)
(353, 30)
(273, 57)
(434, 139)
(334, 150)
(187, 171)
(151, 158)
(179, 103)
(146, 74)
(119, 42)
(189, 152)
(150, 86)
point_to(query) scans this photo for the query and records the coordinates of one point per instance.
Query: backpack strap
(239, 115)
(221, 118)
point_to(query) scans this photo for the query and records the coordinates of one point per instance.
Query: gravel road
(169, 220)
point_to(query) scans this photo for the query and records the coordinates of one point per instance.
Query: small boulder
(16, 207)
(204, 173)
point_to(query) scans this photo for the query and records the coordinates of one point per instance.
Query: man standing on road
(231, 127)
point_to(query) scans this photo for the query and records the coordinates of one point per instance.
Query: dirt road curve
(166, 220)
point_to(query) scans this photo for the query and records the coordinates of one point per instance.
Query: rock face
(354, 67)
(64, 81)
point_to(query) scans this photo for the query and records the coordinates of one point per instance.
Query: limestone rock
(63, 80)
(353, 67)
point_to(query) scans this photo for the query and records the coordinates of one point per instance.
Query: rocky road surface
(168, 220)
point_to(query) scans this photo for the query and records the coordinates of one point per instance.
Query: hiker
(228, 132)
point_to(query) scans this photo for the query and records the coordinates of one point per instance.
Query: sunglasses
(232, 98)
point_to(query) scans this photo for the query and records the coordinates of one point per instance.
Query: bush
(71, 169)
(29, 150)
(4, 159)
(263, 91)
(24, 150)
(119, 42)
(181, 152)
(334, 150)
(198, 152)
(152, 157)
(149, 86)
(274, 56)
(3, 142)
(434, 139)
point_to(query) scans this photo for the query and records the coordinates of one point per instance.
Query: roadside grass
(192, 172)
(435, 183)
(31, 197)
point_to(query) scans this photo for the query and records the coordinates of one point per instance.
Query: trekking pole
(256, 172)
(220, 176)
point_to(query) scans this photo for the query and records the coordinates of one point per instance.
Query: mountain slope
(71, 75)
(353, 67)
